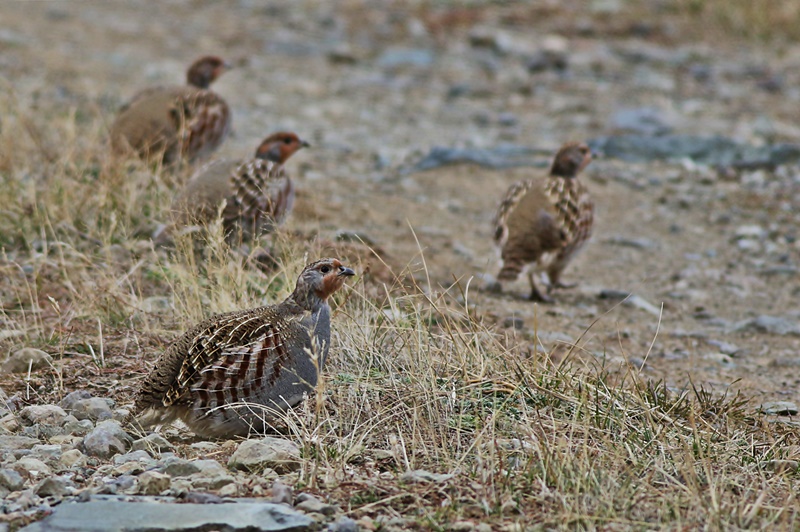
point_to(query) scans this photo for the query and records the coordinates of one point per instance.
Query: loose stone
(107, 439)
(26, 358)
(254, 455)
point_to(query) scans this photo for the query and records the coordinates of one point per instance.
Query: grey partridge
(258, 193)
(233, 372)
(542, 223)
(175, 123)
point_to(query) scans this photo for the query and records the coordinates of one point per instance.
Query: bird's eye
(287, 140)
(325, 269)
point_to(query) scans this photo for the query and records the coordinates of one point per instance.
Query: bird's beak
(345, 272)
(304, 144)
(221, 69)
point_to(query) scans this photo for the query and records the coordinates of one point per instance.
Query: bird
(231, 373)
(542, 223)
(174, 123)
(258, 193)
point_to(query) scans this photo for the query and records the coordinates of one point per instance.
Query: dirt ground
(373, 86)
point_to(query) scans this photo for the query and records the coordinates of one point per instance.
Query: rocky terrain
(420, 116)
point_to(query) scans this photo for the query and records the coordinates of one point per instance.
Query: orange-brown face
(585, 156)
(278, 147)
(205, 71)
(571, 159)
(333, 274)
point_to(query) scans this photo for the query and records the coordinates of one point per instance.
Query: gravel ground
(710, 253)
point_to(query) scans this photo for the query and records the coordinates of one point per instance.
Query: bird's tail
(510, 271)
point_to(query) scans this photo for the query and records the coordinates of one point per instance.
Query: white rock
(32, 467)
(49, 454)
(9, 423)
(107, 439)
(129, 468)
(152, 483)
(309, 503)
(749, 231)
(202, 481)
(72, 458)
(420, 475)
(27, 357)
(779, 408)
(229, 490)
(11, 479)
(152, 442)
(93, 408)
(210, 467)
(178, 467)
(43, 415)
(281, 493)
(54, 487)
(255, 455)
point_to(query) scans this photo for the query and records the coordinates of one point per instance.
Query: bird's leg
(554, 275)
(537, 295)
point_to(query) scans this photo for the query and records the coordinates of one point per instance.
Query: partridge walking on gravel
(231, 373)
(175, 123)
(542, 223)
(258, 193)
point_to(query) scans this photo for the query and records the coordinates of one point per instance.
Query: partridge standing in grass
(258, 193)
(231, 373)
(175, 123)
(542, 223)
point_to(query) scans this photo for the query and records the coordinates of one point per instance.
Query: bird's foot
(536, 295)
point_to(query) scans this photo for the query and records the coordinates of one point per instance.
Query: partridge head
(232, 373)
(278, 147)
(571, 159)
(543, 222)
(178, 122)
(203, 72)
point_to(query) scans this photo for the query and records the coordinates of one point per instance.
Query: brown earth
(374, 87)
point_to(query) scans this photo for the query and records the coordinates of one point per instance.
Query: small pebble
(107, 439)
(194, 497)
(54, 487)
(152, 483)
(27, 358)
(229, 490)
(779, 408)
(255, 455)
(343, 524)
(43, 415)
(11, 479)
(178, 467)
(309, 503)
(281, 493)
(32, 467)
(152, 443)
(72, 458)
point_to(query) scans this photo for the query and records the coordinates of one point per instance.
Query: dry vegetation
(766, 20)
(417, 381)
(771, 21)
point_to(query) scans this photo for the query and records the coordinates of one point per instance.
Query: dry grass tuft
(418, 380)
(764, 20)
